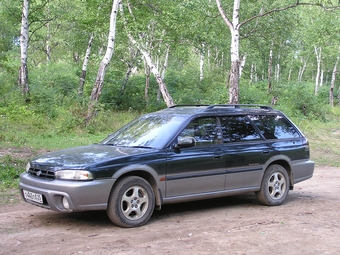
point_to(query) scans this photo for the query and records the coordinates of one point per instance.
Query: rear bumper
(81, 195)
(302, 170)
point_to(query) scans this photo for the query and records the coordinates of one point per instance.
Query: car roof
(219, 109)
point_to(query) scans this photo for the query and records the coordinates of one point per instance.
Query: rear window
(275, 126)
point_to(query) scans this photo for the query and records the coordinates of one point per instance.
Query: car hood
(82, 157)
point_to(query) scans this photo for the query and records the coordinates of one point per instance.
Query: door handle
(265, 152)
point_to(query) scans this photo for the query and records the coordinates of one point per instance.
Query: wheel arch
(145, 172)
(283, 161)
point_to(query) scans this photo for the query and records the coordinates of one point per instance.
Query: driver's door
(201, 168)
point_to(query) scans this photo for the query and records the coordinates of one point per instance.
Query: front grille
(43, 174)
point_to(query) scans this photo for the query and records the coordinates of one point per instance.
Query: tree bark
(318, 60)
(202, 62)
(234, 50)
(277, 69)
(84, 68)
(242, 64)
(147, 83)
(154, 70)
(302, 69)
(331, 90)
(233, 83)
(270, 68)
(48, 36)
(24, 36)
(98, 86)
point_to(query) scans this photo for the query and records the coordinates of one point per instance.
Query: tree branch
(286, 8)
(224, 16)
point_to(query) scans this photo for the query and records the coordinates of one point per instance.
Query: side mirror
(185, 142)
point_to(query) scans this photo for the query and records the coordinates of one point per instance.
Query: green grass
(24, 139)
(324, 139)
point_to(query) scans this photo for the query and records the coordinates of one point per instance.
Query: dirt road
(308, 223)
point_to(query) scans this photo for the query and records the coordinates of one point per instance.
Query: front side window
(237, 129)
(204, 130)
(275, 126)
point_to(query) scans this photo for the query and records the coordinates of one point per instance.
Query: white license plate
(33, 196)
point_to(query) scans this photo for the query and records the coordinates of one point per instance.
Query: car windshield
(148, 131)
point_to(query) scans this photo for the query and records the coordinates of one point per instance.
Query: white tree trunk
(98, 86)
(331, 90)
(24, 35)
(290, 74)
(202, 62)
(166, 60)
(318, 60)
(154, 70)
(277, 69)
(48, 36)
(153, 67)
(302, 69)
(234, 50)
(270, 68)
(242, 64)
(84, 68)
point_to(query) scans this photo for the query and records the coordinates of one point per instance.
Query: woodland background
(289, 55)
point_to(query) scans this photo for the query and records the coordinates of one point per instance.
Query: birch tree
(148, 60)
(234, 26)
(331, 90)
(84, 67)
(98, 86)
(318, 55)
(155, 71)
(24, 36)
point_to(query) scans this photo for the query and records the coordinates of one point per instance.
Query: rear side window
(275, 126)
(237, 129)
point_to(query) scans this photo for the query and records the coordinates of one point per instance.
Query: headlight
(28, 166)
(78, 175)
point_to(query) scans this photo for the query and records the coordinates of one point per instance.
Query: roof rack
(189, 105)
(212, 106)
(239, 106)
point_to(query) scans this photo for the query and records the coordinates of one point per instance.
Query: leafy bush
(299, 100)
(10, 169)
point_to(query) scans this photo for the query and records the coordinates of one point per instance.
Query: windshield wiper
(127, 146)
(140, 146)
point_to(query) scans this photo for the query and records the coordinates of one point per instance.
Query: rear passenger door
(201, 168)
(246, 152)
(282, 135)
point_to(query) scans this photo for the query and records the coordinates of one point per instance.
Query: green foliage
(299, 100)
(10, 169)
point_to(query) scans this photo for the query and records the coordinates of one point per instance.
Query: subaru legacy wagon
(179, 154)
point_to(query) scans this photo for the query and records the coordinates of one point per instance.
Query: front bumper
(81, 195)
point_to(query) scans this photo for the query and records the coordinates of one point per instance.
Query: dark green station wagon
(178, 154)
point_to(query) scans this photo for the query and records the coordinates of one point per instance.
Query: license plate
(33, 196)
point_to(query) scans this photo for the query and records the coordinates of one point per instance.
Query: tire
(274, 187)
(131, 202)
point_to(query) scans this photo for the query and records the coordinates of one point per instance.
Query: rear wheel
(131, 202)
(274, 186)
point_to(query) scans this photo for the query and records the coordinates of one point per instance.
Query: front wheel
(274, 186)
(131, 202)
